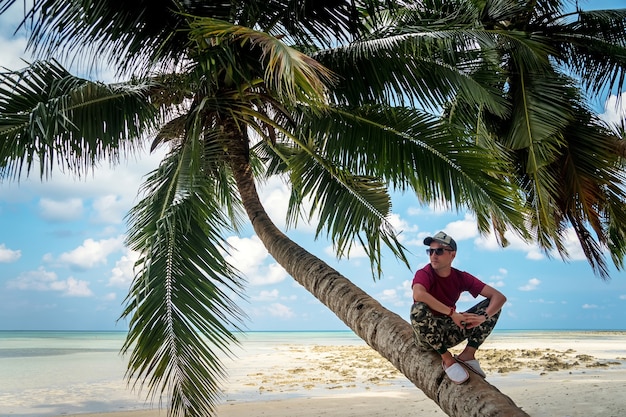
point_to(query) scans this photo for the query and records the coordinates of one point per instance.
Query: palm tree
(568, 162)
(237, 92)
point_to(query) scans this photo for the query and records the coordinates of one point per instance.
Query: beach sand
(571, 377)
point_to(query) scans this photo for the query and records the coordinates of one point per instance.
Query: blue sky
(63, 265)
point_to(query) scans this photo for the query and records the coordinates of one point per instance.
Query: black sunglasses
(438, 251)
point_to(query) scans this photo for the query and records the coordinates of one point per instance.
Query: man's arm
(496, 299)
(420, 294)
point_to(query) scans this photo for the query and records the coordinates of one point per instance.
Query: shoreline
(282, 374)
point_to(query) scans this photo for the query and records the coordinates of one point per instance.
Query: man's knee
(419, 312)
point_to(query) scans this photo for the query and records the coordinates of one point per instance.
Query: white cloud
(280, 310)
(466, 298)
(265, 295)
(39, 280)
(496, 281)
(290, 297)
(419, 242)
(407, 290)
(428, 210)
(357, 251)
(42, 280)
(516, 243)
(572, 246)
(622, 297)
(400, 296)
(459, 230)
(246, 253)
(91, 253)
(388, 294)
(274, 195)
(110, 209)
(275, 274)
(402, 228)
(110, 296)
(122, 181)
(123, 273)
(462, 229)
(12, 51)
(531, 285)
(72, 287)
(61, 211)
(589, 306)
(541, 301)
(8, 255)
(614, 109)
(535, 255)
(400, 225)
(249, 255)
(415, 211)
(533, 252)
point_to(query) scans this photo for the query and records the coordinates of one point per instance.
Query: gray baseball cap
(442, 238)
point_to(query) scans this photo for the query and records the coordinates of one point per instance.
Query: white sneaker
(456, 373)
(473, 366)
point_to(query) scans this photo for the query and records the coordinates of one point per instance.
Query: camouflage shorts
(440, 332)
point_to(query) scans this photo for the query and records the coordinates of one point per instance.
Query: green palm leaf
(594, 48)
(417, 64)
(180, 305)
(537, 44)
(154, 33)
(591, 194)
(47, 117)
(416, 151)
(292, 75)
(350, 207)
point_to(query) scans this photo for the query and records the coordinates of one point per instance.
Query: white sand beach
(578, 375)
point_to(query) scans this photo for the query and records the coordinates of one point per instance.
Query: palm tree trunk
(383, 330)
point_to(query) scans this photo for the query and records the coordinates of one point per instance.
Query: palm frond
(48, 116)
(411, 68)
(407, 149)
(350, 207)
(292, 75)
(73, 30)
(315, 23)
(411, 150)
(142, 35)
(544, 108)
(594, 48)
(180, 307)
(541, 109)
(591, 193)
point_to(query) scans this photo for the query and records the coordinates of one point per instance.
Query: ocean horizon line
(297, 331)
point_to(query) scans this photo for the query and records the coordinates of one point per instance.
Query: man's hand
(469, 320)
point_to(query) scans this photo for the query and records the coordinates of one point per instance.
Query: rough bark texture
(383, 330)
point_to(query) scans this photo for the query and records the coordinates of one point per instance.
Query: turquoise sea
(49, 373)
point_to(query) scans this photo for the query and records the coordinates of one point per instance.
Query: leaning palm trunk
(383, 330)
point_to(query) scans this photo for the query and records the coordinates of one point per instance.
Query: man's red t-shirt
(448, 290)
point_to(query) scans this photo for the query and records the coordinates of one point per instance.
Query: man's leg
(477, 335)
(438, 333)
(435, 332)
